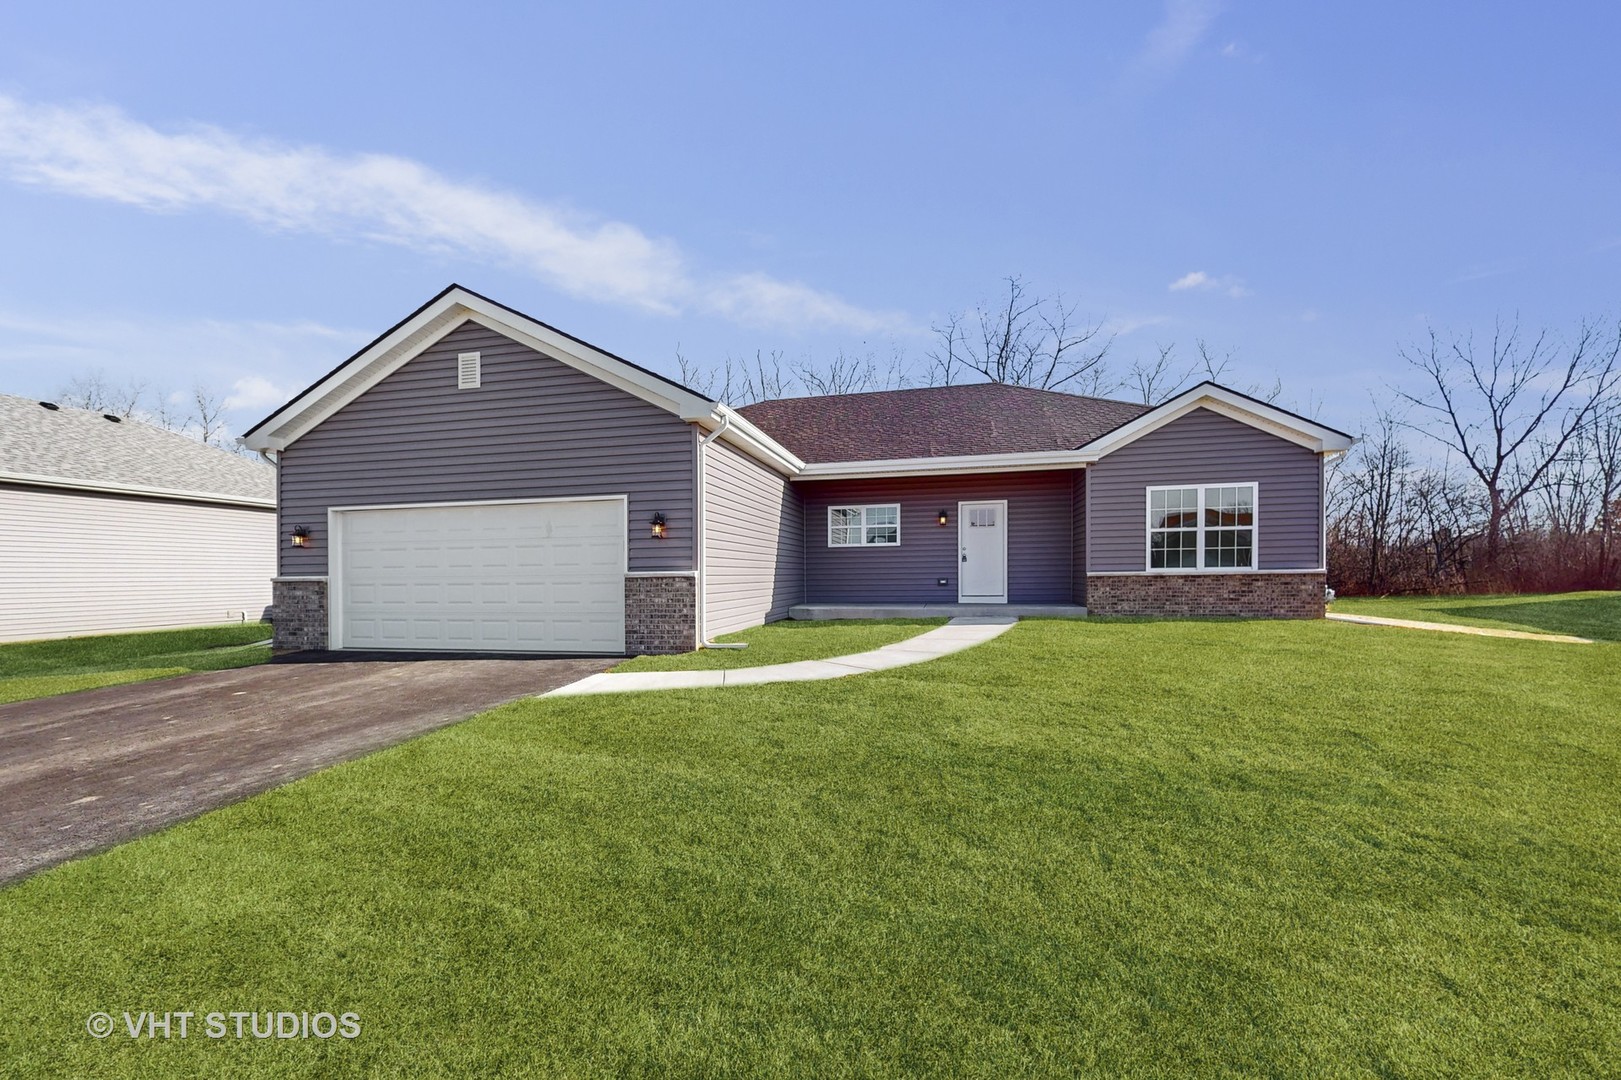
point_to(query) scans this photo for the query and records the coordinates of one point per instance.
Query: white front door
(539, 576)
(982, 538)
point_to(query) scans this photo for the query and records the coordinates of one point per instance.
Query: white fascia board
(930, 466)
(281, 428)
(748, 438)
(107, 487)
(1220, 400)
(421, 332)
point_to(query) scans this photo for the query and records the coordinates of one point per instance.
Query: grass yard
(1595, 615)
(36, 669)
(787, 641)
(1112, 849)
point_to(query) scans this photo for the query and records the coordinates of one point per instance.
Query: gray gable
(67, 445)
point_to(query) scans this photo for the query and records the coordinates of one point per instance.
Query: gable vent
(467, 371)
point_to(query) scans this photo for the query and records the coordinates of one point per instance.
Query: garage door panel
(538, 577)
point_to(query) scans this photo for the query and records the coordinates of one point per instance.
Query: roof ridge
(1060, 394)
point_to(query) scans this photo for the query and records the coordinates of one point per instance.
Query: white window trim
(864, 507)
(1254, 527)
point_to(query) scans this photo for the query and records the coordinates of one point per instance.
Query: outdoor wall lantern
(942, 518)
(301, 536)
(658, 526)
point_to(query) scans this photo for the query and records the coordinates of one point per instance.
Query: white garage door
(505, 577)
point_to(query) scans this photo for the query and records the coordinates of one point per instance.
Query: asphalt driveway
(84, 771)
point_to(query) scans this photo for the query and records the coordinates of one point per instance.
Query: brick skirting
(299, 618)
(661, 614)
(1266, 596)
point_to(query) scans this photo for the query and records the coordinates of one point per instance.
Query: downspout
(702, 537)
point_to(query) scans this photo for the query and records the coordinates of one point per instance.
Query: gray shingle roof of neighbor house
(77, 448)
(937, 421)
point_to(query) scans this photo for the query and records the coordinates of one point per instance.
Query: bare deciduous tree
(1024, 340)
(1158, 381)
(207, 419)
(1511, 413)
(93, 391)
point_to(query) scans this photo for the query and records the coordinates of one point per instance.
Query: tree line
(1023, 338)
(1496, 469)
(1494, 465)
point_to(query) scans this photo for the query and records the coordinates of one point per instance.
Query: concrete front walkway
(1454, 628)
(955, 636)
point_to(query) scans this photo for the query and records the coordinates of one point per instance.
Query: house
(477, 480)
(109, 524)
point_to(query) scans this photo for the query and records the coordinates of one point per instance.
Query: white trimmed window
(864, 526)
(1201, 528)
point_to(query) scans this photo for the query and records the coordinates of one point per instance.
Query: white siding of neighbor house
(754, 542)
(82, 563)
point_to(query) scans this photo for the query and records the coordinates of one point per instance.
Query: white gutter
(108, 487)
(967, 463)
(726, 417)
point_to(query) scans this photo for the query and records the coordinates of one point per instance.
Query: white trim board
(1194, 573)
(1234, 406)
(107, 487)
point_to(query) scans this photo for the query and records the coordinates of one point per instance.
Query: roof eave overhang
(107, 487)
(422, 330)
(739, 432)
(1219, 399)
(944, 466)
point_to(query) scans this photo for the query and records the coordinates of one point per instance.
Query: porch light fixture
(942, 518)
(301, 536)
(658, 526)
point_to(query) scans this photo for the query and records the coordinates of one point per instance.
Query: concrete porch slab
(935, 611)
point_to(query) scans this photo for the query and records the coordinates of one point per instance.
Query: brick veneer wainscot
(661, 614)
(1265, 596)
(300, 613)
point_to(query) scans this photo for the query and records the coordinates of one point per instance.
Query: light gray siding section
(1040, 539)
(754, 542)
(84, 563)
(1205, 447)
(534, 428)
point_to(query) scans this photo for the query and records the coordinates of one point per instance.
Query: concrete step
(935, 611)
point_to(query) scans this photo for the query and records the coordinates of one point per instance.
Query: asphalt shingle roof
(74, 444)
(937, 421)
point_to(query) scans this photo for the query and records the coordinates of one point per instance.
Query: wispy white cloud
(1199, 281)
(99, 152)
(1122, 325)
(252, 366)
(256, 393)
(1178, 33)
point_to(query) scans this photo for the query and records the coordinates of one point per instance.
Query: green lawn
(35, 669)
(1113, 849)
(787, 641)
(1595, 615)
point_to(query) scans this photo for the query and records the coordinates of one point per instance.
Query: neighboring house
(110, 524)
(477, 480)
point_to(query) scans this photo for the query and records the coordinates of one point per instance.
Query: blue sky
(244, 194)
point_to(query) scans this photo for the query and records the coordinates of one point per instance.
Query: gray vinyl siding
(1205, 447)
(76, 562)
(1040, 539)
(1078, 536)
(754, 542)
(535, 428)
